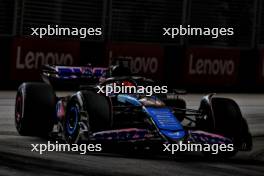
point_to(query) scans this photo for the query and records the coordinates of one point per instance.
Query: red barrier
(29, 54)
(144, 59)
(211, 66)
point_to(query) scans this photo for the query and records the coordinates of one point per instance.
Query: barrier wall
(192, 68)
(142, 59)
(29, 54)
(5, 52)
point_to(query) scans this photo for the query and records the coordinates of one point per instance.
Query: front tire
(34, 109)
(90, 109)
(223, 116)
(230, 122)
(72, 121)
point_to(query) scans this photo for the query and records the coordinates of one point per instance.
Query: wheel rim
(72, 120)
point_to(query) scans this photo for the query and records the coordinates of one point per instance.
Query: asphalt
(16, 157)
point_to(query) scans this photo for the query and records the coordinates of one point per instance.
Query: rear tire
(35, 109)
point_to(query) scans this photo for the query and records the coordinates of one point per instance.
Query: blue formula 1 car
(91, 115)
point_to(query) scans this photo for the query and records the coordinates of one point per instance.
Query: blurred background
(133, 30)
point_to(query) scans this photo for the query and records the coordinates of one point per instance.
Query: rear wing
(73, 74)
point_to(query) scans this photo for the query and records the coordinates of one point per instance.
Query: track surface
(16, 157)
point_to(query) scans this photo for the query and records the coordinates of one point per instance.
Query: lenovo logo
(34, 59)
(207, 66)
